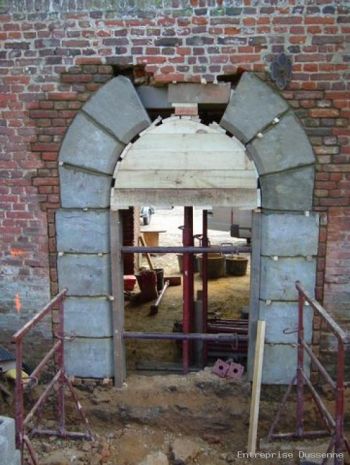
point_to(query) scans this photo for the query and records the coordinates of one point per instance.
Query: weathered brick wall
(55, 54)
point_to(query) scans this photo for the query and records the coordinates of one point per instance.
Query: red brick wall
(52, 62)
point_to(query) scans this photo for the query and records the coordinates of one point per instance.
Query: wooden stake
(256, 388)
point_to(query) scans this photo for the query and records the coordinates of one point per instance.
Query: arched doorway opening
(285, 229)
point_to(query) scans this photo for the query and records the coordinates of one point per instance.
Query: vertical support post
(117, 269)
(19, 396)
(300, 368)
(188, 285)
(60, 360)
(339, 405)
(205, 243)
(254, 294)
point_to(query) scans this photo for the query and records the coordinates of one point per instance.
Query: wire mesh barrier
(334, 425)
(60, 381)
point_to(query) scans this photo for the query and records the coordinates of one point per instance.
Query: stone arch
(277, 144)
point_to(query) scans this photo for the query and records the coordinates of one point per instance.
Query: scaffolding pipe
(219, 337)
(186, 249)
(205, 243)
(188, 285)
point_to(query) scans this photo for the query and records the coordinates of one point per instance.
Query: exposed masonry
(287, 234)
(57, 54)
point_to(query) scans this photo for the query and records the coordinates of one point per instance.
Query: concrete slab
(288, 190)
(118, 108)
(80, 189)
(275, 372)
(280, 316)
(84, 275)
(88, 146)
(89, 357)
(284, 146)
(82, 231)
(88, 317)
(252, 107)
(289, 234)
(277, 281)
(199, 93)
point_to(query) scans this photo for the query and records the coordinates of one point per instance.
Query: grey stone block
(80, 189)
(280, 316)
(82, 231)
(7, 431)
(284, 146)
(289, 234)
(16, 458)
(88, 317)
(288, 190)
(88, 146)
(89, 357)
(280, 363)
(84, 275)
(277, 281)
(117, 107)
(5, 451)
(252, 107)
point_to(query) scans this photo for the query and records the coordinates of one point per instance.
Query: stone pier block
(289, 234)
(277, 280)
(88, 316)
(81, 189)
(280, 316)
(89, 357)
(83, 231)
(85, 275)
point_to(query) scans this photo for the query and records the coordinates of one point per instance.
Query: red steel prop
(334, 425)
(60, 379)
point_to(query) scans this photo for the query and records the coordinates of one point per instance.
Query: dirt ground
(228, 296)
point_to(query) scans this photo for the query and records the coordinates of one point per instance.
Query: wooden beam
(148, 256)
(118, 298)
(256, 388)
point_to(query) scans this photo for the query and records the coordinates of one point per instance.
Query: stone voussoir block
(84, 275)
(282, 147)
(82, 231)
(275, 372)
(278, 277)
(288, 190)
(252, 107)
(88, 316)
(81, 142)
(89, 357)
(81, 189)
(281, 316)
(118, 108)
(289, 234)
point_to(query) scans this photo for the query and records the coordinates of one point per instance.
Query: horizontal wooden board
(188, 142)
(195, 160)
(181, 179)
(174, 125)
(123, 198)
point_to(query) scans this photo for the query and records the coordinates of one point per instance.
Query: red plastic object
(129, 282)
